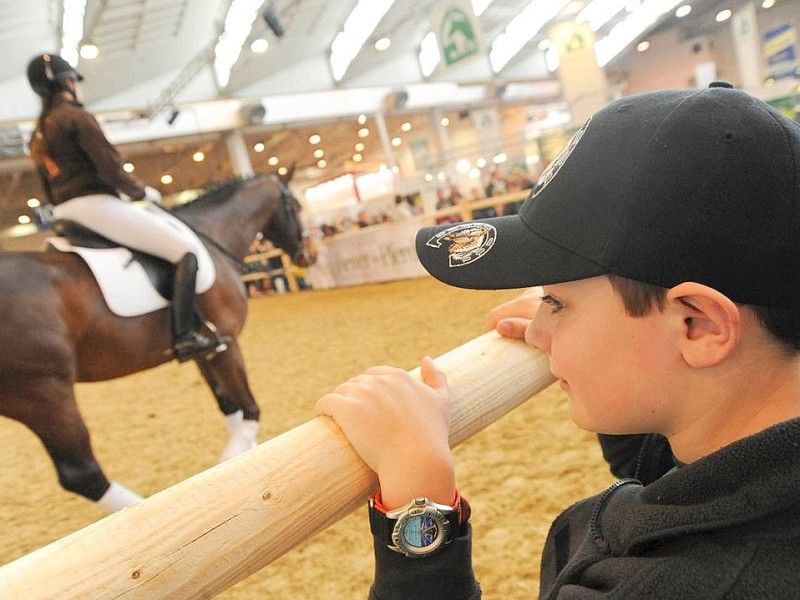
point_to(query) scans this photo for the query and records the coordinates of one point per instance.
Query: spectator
(665, 238)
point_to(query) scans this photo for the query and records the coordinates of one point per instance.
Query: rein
(202, 234)
(286, 194)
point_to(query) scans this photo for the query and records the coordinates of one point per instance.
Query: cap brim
(497, 253)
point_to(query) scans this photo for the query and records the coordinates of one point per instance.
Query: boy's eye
(554, 303)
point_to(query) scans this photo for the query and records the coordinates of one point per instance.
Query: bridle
(287, 198)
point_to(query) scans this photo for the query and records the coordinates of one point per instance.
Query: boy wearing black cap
(666, 239)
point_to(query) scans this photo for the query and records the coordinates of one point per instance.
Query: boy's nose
(538, 332)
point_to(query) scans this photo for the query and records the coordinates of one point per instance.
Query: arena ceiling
(156, 56)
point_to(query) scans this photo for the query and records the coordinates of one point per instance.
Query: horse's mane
(217, 193)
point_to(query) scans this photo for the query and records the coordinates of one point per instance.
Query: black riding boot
(188, 343)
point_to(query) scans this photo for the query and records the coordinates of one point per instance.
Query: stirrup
(196, 345)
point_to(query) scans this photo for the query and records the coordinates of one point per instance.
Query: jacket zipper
(594, 520)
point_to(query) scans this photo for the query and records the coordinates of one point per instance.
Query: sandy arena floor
(156, 428)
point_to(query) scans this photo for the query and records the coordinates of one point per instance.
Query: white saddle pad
(126, 288)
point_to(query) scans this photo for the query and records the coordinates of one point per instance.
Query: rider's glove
(152, 194)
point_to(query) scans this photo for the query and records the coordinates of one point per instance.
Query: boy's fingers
(513, 327)
(432, 376)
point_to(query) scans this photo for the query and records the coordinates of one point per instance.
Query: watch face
(420, 531)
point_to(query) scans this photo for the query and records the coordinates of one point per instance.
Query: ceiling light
(405, 126)
(723, 15)
(72, 29)
(319, 153)
(259, 46)
(314, 139)
(283, 171)
(166, 179)
(599, 12)
(551, 59)
(522, 29)
(768, 4)
(89, 51)
(362, 118)
(363, 132)
(238, 24)
(643, 46)
(322, 163)
(357, 157)
(128, 167)
(624, 33)
(357, 28)
(359, 147)
(259, 147)
(383, 44)
(396, 141)
(428, 177)
(273, 160)
(573, 8)
(23, 219)
(429, 55)
(33, 202)
(445, 121)
(684, 10)
(198, 156)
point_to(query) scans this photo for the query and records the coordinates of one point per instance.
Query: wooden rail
(205, 534)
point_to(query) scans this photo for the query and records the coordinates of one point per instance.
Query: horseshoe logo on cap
(465, 243)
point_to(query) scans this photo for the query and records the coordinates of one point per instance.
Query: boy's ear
(711, 323)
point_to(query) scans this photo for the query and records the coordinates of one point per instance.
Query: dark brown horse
(58, 330)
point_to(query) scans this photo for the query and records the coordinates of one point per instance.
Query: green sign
(459, 39)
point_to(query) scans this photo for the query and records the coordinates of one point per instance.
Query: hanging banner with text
(370, 255)
(457, 32)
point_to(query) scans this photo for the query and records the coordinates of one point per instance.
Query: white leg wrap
(118, 497)
(243, 438)
(233, 421)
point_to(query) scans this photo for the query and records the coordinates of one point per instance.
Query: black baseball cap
(662, 187)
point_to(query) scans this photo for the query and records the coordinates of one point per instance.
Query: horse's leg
(63, 432)
(226, 376)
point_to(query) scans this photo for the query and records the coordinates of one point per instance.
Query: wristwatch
(420, 528)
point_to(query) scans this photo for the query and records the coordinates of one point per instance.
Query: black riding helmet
(48, 72)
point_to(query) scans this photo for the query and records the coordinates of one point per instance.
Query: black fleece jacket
(726, 526)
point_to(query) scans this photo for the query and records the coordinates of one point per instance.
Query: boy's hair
(640, 299)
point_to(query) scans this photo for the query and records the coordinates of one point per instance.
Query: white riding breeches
(144, 227)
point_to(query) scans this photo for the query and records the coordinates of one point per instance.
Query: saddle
(159, 271)
(133, 283)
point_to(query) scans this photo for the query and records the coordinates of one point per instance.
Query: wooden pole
(203, 535)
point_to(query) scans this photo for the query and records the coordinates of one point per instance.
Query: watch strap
(382, 526)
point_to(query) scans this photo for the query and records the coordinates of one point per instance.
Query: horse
(59, 330)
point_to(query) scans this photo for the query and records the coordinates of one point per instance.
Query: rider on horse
(83, 178)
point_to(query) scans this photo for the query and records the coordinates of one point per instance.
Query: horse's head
(285, 230)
